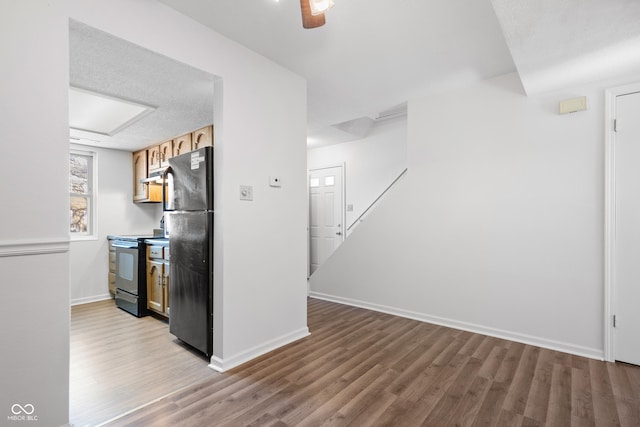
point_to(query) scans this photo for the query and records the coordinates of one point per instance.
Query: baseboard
(11, 248)
(87, 300)
(222, 365)
(591, 353)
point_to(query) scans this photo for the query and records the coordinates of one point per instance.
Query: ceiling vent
(399, 110)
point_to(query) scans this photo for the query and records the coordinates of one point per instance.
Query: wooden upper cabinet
(202, 137)
(182, 144)
(140, 172)
(154, 157)
(166, 152)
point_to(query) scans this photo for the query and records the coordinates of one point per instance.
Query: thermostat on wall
(275, 181)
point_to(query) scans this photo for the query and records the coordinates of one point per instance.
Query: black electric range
(131, 274)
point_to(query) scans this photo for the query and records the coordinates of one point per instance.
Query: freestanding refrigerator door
(191, 272)
(191, 186)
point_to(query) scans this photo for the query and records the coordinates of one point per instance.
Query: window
(81, 194)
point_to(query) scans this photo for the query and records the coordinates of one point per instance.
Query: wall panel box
(573, 105)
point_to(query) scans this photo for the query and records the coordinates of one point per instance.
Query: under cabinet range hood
(153, 187)
(155, 177)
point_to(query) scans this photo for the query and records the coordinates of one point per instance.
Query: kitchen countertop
(161, 241)
(133, 237)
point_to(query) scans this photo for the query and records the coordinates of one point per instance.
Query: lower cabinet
(158, 280)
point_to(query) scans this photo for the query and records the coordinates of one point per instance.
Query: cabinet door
(182, 144)
(154, 158)
(139, 172)
(155, 292)
(166, 287)
(112, 261)
(112, 283)
(202, 137)
(112, 272)
(166, 152)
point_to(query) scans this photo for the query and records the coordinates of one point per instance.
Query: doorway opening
(327, 214)
(114, 355)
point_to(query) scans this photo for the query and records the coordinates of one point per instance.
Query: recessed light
(102, 114)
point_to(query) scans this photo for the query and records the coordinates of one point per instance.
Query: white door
(626, 287)
(326, 214)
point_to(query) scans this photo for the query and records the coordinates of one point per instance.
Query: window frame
(92, 231)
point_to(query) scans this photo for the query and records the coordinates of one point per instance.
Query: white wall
(34, 147)
(260, 247)
(498, 226)
(116, 214)
(371, 163)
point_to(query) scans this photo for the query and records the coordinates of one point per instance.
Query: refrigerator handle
(165, 174)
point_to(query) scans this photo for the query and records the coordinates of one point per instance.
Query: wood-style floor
(119, 362)
(363, 368)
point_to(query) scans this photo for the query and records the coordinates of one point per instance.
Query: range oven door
(127, 266)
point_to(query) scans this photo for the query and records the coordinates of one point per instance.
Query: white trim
(609, 212)
(592, 353)
(9, 248)
(222, 365)
(609, 223)
(87, 300)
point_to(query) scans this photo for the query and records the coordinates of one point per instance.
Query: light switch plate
(246, 192)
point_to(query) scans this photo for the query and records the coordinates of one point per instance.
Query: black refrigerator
(188, 215)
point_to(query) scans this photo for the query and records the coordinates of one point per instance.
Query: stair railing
(361, 217)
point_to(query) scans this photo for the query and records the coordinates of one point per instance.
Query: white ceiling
(374, 55)
(561, 43)
(371, 55)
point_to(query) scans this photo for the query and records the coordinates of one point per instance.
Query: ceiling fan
(313, 12)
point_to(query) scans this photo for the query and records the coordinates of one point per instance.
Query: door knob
(339, 233)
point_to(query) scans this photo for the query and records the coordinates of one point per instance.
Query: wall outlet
(246, 192)
(275, 181)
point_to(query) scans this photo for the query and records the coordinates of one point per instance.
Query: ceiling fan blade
(309, 20)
